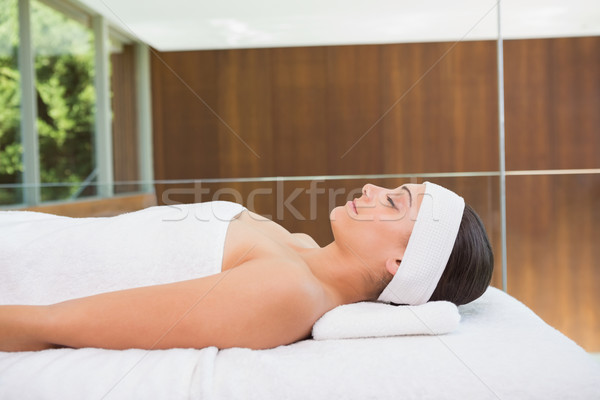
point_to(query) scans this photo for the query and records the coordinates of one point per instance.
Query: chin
(334, 218)
(338, 214)
(332, 213)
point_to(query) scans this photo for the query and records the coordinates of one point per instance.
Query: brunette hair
(469, 269)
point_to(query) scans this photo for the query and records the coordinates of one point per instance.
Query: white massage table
(501, 350)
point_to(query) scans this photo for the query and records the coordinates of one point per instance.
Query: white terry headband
(428, 249)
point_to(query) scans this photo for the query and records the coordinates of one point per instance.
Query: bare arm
(254, 305)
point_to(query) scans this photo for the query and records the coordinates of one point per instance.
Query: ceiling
(224, 24)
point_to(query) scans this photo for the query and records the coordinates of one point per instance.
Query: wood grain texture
(325, 110)
(298, 87)
(446, 107)
(124, 123)
(552, 92)
(553, 231)
(245, 136)
(353, 137)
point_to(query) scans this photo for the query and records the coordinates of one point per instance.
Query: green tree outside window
(11, 150)
(64, 72)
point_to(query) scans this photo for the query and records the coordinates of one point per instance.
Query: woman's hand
(21, 328)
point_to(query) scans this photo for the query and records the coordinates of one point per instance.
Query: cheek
(399, 215)
(371, 234)
(406, 229)
(384, 235)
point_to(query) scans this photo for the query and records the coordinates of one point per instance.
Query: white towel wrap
(46, 259)
(428, 248)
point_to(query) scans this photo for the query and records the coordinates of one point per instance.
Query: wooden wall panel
(442, 102)
(552, 91)
(124, 126)
(326, 110)
(299, 110)
(187, 133)
(245, 136)
(353, 136)
(553, 231)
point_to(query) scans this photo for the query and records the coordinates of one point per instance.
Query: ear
(392, 265)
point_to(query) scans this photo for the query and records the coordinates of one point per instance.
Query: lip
(352, 206)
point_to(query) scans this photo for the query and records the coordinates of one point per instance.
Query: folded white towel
(369, 319)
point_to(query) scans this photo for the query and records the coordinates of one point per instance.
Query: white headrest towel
(428, 249)
(371, 319)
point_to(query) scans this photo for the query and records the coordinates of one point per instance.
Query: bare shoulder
(305, 240)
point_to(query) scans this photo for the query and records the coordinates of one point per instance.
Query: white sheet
(107, 374)
(501, 350)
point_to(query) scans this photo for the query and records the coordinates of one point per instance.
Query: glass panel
(553, 234)
(11, 150)
(124, 117)
(64, 69)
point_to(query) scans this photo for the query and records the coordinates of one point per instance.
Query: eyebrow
(409, 195)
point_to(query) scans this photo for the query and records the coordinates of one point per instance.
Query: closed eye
(391, 201)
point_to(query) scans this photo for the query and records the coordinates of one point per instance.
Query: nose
(365, 190)
(369, 190)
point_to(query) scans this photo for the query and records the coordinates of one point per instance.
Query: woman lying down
(246, 281)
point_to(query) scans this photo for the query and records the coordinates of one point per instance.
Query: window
(65, 96)
(74, 112)
(11, 150)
